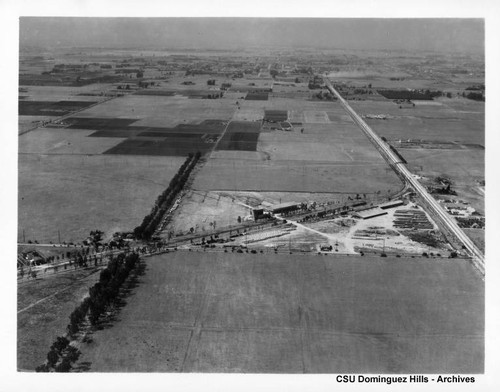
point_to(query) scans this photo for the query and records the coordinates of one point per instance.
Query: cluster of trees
(214, 95)
(60, 357)
(315, 83)
(166, 199)
(325, 95)
(425, 95)
(475, 96)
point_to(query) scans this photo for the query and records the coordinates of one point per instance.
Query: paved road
(403, 171)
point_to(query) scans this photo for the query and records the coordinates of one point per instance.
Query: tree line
(166, 199)
(62, 355)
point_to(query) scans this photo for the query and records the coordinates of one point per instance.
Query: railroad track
(400, 168)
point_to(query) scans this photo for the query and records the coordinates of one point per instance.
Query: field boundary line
(53, 294)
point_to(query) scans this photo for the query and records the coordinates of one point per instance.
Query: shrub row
(166, 199)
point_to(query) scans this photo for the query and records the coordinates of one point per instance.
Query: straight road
(402, 170)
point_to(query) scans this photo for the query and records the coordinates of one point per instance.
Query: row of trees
(166, 199)
(62, 355)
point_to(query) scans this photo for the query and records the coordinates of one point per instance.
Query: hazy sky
(463, 35)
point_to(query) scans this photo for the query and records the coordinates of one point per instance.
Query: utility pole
(59, 236)
(24, 238)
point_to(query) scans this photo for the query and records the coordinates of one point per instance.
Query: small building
(370, 213)
(257, 213)
(391, 204)
(284, 207)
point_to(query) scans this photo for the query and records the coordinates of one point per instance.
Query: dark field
(216, 312)
(244, 127)
(154, 141)
(239, 141)
(257, 97)
(276, 115)
(240, 136)
(48, 108)
(165, 93)
(168, 147)
(99, 123)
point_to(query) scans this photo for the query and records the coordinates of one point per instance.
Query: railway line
(402, 171)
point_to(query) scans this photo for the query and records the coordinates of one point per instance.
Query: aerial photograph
(251, 195)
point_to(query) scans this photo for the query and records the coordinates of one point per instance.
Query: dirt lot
(79, 193)
(39, 325)
(217, 312)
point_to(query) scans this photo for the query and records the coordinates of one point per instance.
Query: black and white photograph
(243, 196)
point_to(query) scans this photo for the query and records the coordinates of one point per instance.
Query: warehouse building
(370, 213)
(284, 207)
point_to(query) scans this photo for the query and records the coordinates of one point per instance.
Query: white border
(10, 11)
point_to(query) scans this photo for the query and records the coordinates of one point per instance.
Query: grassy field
(77, 193)
(39, 325)
(216, 312)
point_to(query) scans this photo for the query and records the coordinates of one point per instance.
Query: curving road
(402, 170)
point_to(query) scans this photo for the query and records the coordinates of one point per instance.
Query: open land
(216, 312)
(44, 306)
(359, 288)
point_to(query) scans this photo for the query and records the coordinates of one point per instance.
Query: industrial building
(391, 204)
(284, 207)
(370, 213)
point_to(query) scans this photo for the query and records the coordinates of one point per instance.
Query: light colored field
(462, 166)
(217, 312)
(75, 194)
(29, 122)
(248, 114)
(334, 142)
(199, 210)
(64, 141)
(63, 93)
(162, 111)
(431, 122)
(316, 117)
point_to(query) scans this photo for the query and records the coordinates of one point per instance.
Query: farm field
(447, 119)
(163, 111)
(217, 312)
(296, 176)
(39, 325)
(78, 193)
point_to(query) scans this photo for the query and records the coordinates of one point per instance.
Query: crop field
(162, 111)
(429, 122)
(40, 324)
(78, 193)
(276, 115)
(48, 108)
(296, 176)
(169, 146)
(257, 97)
(217, 312)
(240, 136)
(63, 141)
